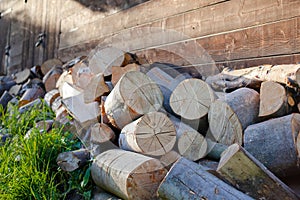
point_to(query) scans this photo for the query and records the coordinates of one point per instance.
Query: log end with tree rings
(152, 134)
(134, 95)
(191, 99)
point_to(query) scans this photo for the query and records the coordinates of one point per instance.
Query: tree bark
(137, 179)
(276, 144)
(134, 95)
(188, 180)
(229, 117)
(51, 96)
(152, 134)
(243, 171)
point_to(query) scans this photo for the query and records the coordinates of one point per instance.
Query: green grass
(28, 168)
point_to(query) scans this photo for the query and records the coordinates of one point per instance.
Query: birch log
(253, 76)
(127, 174)
(229, 117)
(134, 95)
(242, 170)
(152, 134)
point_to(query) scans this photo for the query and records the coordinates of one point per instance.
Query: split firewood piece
(51, 96)
(44, 125)
(167, 79)
(96, 88)
(56, 104)
(189, 142)
(80, 110)
(168, 159)
(64, 77)
(102, 60)
(60, 113)
(253, 76)
(72, 160)
(152, 134)
(32, 83)
(30, 95)
(81, 75)
(50, 79)
(189, 180)
(49, 64)
(250, 176)
(273, 100)
(118, 71)
(22, 76)
(210, 166)
(101, 133)
(104, 118)
(37, 71)
(276, 143)
(229, 117)
(36, 103)
(5, 98)
(139, 178)
(191, 99)
(15, 90)
(134, 95)
(69, 90)
(73, 62)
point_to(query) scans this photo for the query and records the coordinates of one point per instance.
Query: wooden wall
(230, 33)
(209, 33)
(21, 22)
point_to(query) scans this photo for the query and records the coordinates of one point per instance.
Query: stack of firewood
(153, 132)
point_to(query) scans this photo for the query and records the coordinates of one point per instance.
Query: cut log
(191, 99)
(72, 160)
(45, 125)
(51, 96)
(189, 180)
(189, 142)
(138, 178)
(22, 76)
(96, 88)
(168, 159)
(228, 118)
(152, 134)
(5, 98)
(118, 71)
(134, 95)
(97, 149)
(80, 110)
(32, 83)
(49, 64)
(253, 76)
(81, 75)
(6, 84)
(36, 103)
(56, 104)
(50, 79)
(15, 90)
(214, 149)
(273, 100)
(102, 60)
(30, 95)
(101, 133)
(250, 176)
(73, 62)
(276, 144)
(167, 79)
